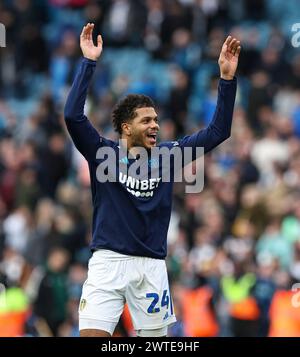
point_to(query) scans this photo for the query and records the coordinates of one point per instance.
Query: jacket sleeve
(84, 135)
(220, 127)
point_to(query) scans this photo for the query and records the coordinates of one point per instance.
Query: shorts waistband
(111, 255)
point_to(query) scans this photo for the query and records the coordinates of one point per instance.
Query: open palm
(88, 48)
(229, 57)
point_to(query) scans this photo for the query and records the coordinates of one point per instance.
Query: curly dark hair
(124, 111)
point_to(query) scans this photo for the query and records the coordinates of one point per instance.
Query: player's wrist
(91, 58)
(227, 77)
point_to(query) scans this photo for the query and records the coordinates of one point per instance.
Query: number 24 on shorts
(164, 302)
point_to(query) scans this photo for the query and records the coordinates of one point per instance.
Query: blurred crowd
(234, 249)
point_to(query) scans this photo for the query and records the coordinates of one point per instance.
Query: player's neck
(132, 149)
(135, 151)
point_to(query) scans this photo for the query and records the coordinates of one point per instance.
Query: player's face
(144, 128)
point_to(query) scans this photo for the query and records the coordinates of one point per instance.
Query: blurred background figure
(50, 304)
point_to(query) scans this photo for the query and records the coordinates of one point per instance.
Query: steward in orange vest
(199, 318)
(285, 314)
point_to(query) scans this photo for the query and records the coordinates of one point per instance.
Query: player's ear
(126, 128)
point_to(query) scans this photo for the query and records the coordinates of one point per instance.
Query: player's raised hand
(229, 57)
(88, 48)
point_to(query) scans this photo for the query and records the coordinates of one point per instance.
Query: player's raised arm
(84, 135)
(220, 127)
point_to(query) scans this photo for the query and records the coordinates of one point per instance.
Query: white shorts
(114, 279)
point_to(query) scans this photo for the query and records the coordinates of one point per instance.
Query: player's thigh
(149, 299)
(158, 332)
(94, 333)
(102, 300)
